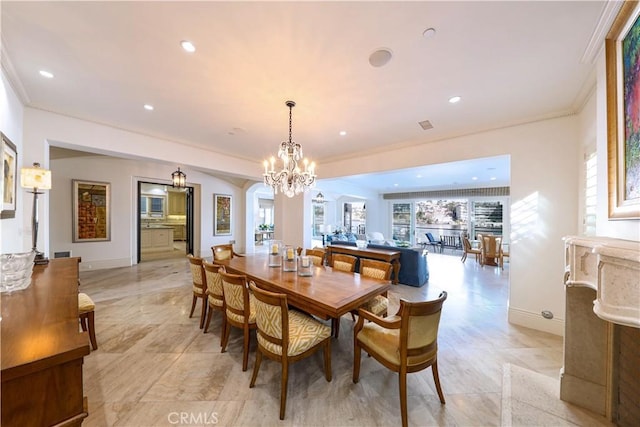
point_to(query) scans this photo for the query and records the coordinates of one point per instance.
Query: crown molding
(9, 71)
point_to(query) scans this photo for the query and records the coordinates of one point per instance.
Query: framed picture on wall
(91, 211)
(623, 113)
(9, 178)
(221, 214)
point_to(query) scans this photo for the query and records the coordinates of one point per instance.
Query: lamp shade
(35, 177)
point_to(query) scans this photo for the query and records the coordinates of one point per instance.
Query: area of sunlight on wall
(524, 217)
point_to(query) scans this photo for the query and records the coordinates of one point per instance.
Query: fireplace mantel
(602, 286)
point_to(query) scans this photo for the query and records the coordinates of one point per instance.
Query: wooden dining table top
(328, 293)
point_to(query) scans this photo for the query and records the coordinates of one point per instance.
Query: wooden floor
(155, 367)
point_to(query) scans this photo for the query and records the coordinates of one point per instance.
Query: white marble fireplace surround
(602, 285)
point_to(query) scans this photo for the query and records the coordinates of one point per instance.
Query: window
(152, 206)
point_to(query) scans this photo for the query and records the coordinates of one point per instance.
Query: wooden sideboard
(43, 350)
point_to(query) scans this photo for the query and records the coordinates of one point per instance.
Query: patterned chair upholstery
(215, 296)
(239, 310)
(86, 313)
(404, 343)
(343, 262)
(316, 255)
(376, 270)
(199, 286)
(223, 252)
(287, 336)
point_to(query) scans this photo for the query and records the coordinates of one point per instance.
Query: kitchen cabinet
(156, 239)
(177, 203)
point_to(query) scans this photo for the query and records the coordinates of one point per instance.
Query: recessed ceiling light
(493, 178)
(46, 74)
(428, 33)
(188, 46)
(343, 132)
(395, 185)
(418, 176)
(454, 99)
(148, 107)
(380, 57)
(475, 178)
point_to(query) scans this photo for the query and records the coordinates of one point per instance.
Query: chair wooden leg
(402, 377)
(256, 368)
(245, 350)
(203, 314)
(92, 330)
(83, 323)
(327, 360)
(224, 325)
(193, 305)
(464, 257)
(283, 387)
(208, 321)
(357, 352)
(225, 337)
(436, 379)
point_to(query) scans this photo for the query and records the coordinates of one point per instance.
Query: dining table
(327, 293)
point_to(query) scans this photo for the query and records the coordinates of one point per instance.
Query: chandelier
(290, 180)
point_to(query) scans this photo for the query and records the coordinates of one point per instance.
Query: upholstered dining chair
(86, 314)
(468, 249)
(239, 309)
(376, 270)
(215, 297)
(404, 343)
(199, 286)
(287, 336)
(491, 251)
(503, 254)
(316, 255)
(223, 252)
(343, 262)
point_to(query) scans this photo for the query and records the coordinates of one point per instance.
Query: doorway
(164, 221)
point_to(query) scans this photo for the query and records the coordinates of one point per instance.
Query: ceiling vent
(425, 125)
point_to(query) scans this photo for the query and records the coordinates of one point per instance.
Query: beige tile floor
(155, 367)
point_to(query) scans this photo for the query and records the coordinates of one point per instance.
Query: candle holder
(289, 259)
(305, 266)
(275, 253)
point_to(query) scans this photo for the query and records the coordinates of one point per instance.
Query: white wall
(11, 118)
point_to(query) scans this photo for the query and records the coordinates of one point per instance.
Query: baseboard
(536, 321)
(88, 265)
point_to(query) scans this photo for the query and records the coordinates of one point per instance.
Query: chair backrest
(344, 262)
(376, 269)
(236, 296)
(222, 252)
(431, 238)
(491, 246)
(272, 320)
(197, 273)
(214, 281)
(466, 243)
(316, 255)
(419, 329)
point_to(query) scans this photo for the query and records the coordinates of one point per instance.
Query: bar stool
(86, 309)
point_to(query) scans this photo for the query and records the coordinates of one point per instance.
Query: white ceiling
(511, 62)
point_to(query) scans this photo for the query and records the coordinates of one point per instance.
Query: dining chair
(215, 296)
(199, 286)
(223, 252)
(239, 309)
(404, 343)
(316, 255)
(491, 252)
(287, 336)
(376, 270)
(86, 314)
(343, 262)
(503, 254)
(468, 249)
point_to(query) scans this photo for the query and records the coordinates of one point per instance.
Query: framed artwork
(622, 47)
(222, 214)
(91, 211)
(9, 178)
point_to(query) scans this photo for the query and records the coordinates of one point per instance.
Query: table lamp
(36, 178)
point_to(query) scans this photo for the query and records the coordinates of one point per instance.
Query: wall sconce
(36, 178)
(179, 179)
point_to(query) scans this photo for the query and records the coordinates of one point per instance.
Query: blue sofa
(414, 269)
